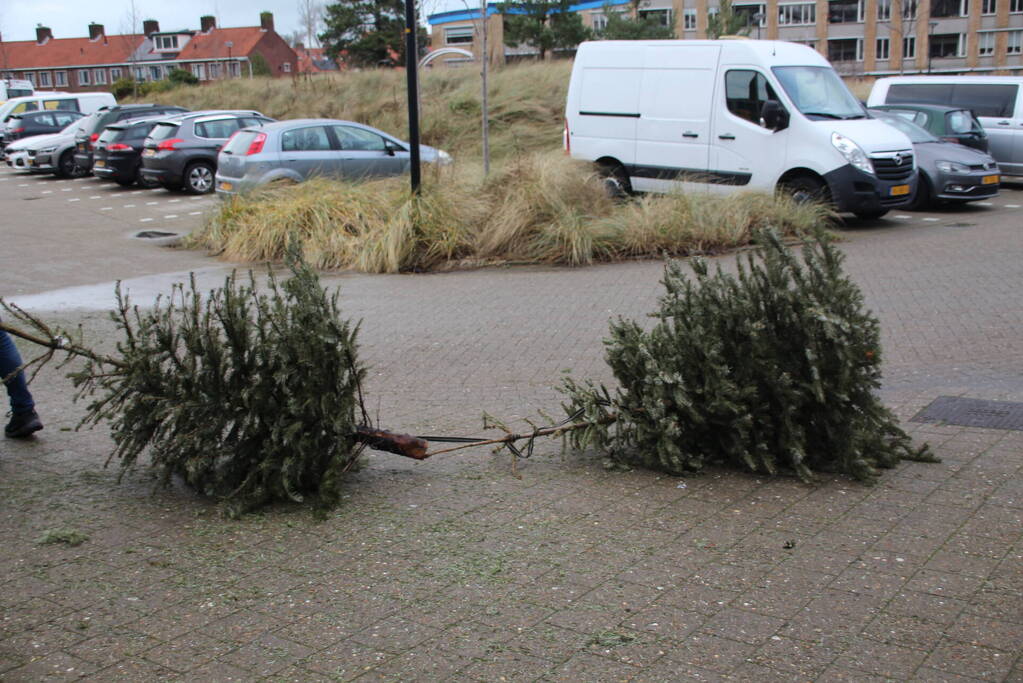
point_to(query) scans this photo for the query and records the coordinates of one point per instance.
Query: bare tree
(130, 26)
(310, 14)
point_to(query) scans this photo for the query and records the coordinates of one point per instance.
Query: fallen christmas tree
(253, 398)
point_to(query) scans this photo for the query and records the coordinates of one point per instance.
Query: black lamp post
(411, 72)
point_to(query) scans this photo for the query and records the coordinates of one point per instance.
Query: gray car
(948, 172)
(292, 151)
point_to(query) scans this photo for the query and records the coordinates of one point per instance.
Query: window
(64, 119)
(83, 77)
(985, 44)
(199, 71)
(948, 8)
(71, 104)
(460, 35)
(801, 14)
(909, 47)
(286, 67)
(884, 10)
(221, 128)
(166, 42)
(946, 45)
(115, 73)
(60, 78)
(746, 92)
(140, 73)
(755, 15)
(845, 11)
(44, 79)
(1013, 42)
(31, 77)
(599, 22)
(909, 9)
(312, 139)
(845, 49)
(234, 68)
(155, 73)
(1015, 6)
(985, 100)
(882, 48)
(359, 139)
(689, 19)
(215, 70)
(988, 6)
(99, 76)
(661, 17)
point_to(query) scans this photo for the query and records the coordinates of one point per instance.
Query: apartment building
(860, 37)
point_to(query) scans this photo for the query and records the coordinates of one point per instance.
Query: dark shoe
(22, 425)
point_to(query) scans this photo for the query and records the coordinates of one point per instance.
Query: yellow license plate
(149, 153)
(989, 179)
(900, 190)
(101, 164)
(31, 162)
(227, 187)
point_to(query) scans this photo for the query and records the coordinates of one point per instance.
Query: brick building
(93, 63)
(860, 37)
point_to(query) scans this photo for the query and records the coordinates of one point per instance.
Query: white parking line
(195, 213)
(106, 208)
(983, 204)
(902, 216)
(932, 220)
(171, 201)
(47, 192)
(152, 203)
(128, 206)
(96, 196)
(171, 215)
(74, 199)
(66, 189)
(1012, 206)
(145, 220)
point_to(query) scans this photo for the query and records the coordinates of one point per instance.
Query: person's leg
(24, 420)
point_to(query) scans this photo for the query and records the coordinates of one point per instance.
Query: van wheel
(804, 189)
(616, 181)
(199, 178)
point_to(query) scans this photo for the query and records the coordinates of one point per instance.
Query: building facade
(860, 37)
(94, 63)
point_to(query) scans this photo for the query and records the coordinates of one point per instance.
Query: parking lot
(457, 569)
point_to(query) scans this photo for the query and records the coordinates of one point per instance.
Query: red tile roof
(66, 52)
(212, 45)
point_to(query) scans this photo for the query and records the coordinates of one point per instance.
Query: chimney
(150, 26)
(95, 30)
(43, 34)
(266, 21)
(208, 23)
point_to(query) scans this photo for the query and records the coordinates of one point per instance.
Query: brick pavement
(454, 569)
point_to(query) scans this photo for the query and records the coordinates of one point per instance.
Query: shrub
(124, 87)
(182, 77)
(250, 398)
(774, 369)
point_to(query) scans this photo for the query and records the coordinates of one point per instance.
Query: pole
(411, 72)
(485, 56)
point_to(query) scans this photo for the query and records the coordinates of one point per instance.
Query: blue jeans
(17, 388)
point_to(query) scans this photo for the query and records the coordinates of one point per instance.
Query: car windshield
(818, 92)
(914, 132)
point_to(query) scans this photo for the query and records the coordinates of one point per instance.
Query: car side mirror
(773, 116)
(389, 148)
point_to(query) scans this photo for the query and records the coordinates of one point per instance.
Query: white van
(85, 102)
(12, 88)
(996, 101)
(730, 114)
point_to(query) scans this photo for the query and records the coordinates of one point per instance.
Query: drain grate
(154, 234)
(973, 412)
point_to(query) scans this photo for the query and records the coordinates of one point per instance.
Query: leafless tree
(130, 27)
(310, 14)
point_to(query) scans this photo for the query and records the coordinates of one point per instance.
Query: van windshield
(818, 92)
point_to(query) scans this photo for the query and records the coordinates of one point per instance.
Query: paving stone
(970, 660)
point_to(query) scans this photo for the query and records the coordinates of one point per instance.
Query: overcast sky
(71, 18)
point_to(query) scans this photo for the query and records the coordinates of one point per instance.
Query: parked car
(949, 172)
(732, 115)
(37, 123)
(295, 150)
(23, 153)
(996, 101)
(951, 124)
(93, 125)
(56, 153)
(181, 152)
(117, 154)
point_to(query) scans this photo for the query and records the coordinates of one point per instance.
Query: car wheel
(143, 181)
(804, 189)
(924, 196)
(66, 166)
(616, 181)
(199, 178)
(125, 182)
(868, 215)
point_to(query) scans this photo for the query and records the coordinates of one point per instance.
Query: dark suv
(181, 152)
(93, 125)
(29, 123)
(117, 154)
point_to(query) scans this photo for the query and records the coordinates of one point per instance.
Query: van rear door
(673, 131)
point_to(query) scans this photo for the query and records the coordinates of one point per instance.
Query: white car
(51, 153)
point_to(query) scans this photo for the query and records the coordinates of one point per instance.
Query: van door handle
(690, 134)
(726, 136)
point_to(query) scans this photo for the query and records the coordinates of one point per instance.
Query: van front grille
(895, 166)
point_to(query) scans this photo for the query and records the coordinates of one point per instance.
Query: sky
(71, 18)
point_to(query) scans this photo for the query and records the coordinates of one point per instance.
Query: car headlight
(48, 150)
(443, 157)
(952, 167)
(852, 152)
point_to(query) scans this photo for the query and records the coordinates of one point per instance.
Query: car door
(365, 154)
(995, 105)
(742, 151)
(307, 151)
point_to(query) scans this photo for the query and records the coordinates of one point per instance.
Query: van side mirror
(773, 116)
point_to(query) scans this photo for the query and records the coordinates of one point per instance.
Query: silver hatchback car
(295, 150)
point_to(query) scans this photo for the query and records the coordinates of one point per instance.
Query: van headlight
(952, 167)
(852, 152)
